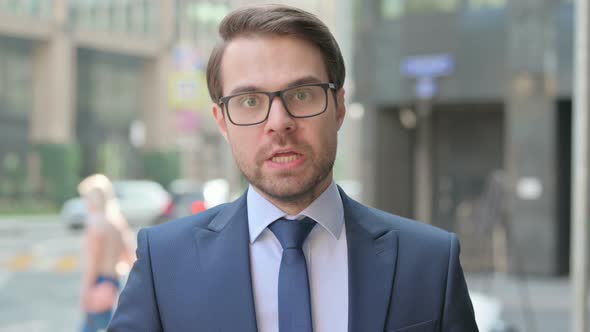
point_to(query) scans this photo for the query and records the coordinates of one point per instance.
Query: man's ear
(220, 119)
(340, 107)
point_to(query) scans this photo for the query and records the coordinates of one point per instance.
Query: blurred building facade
(85, 91)
(468, 122)
(118, 87)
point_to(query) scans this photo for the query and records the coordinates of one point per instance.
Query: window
(431, 5)
(3, 85)
(392, 9)
(16, 81)
(115, 88)
(486, 4)
(11, 6)
(152, 17)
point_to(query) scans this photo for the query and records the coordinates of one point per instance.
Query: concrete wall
(478, 41)
(520, 58)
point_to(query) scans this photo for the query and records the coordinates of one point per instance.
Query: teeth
(285, 159)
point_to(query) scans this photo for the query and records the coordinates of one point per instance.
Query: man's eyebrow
(244, 88)
(252, 88)
(304, 80)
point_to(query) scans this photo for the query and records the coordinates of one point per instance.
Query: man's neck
(294, 206)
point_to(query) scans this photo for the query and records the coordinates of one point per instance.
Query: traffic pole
(579, 181)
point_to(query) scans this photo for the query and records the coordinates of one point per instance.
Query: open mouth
(286, 159)
(283, 158)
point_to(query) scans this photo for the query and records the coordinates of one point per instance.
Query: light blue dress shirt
(326, 253)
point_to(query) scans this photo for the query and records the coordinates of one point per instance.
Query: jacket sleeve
(458, 315)
(138, 309)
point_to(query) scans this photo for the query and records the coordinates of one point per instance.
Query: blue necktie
(294, 299)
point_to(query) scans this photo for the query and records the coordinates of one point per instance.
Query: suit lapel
(372, 255)
(224, 254)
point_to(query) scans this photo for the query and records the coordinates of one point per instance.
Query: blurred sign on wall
(188, 94)
(428, 65)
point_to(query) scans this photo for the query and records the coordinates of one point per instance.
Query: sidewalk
(20, 223)
(531, 304)
(35, 218)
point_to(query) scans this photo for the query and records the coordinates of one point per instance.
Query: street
(530, 304)
(40, 270)
(39, 277)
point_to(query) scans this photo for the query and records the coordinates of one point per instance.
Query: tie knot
(292, 233)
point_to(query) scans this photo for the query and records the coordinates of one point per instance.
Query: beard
(300, 187)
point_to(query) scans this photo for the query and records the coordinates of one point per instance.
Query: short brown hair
(275, 20)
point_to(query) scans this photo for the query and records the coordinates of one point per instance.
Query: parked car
(142, 203)
(187, 196)
(191, 197)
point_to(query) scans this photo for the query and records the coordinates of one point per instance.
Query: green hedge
(162, 167)
(13, 182)
(60, 169)
(27, 206)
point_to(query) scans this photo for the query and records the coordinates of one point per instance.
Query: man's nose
(279, 120)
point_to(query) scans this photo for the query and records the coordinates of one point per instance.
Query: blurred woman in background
(108, 248)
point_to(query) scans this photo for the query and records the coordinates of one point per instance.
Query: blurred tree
(162, 167)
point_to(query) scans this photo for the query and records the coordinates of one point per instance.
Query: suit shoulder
(409, 228)
(185, 224)
(423, 241)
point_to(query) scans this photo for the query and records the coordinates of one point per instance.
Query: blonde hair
(99, 189)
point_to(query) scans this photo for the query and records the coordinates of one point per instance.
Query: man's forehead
(278, 61)
(255, 47)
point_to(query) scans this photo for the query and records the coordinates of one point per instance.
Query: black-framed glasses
(252, 108)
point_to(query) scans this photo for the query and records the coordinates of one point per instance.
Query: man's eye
(302, 95)
(249, 101)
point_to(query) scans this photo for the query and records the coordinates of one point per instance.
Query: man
(294, 253)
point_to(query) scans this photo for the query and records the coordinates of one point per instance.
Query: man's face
(288, 160)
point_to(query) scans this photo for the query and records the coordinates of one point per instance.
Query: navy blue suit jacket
(193, 274)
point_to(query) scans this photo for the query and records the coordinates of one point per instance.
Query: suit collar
(372, 255)
(228, 213)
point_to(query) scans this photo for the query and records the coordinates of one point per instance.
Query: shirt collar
(327, 210)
